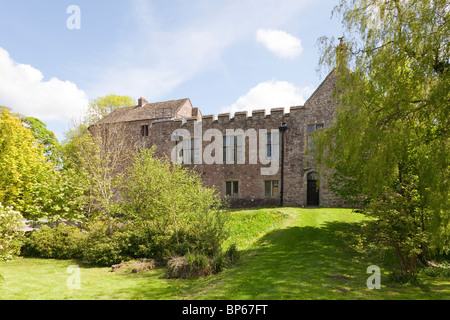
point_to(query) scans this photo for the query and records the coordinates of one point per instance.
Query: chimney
(142, 102)
(341, 54)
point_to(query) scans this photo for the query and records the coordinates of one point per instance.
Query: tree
(44, 136)
(389, 148)
(22, 164)
(10, 232)
(172, 200)
(101, 157)
(96, 156)
(102, 106)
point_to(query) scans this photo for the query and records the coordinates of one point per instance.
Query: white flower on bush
(10, 232)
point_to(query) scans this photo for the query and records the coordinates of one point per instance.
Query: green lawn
(288, 253)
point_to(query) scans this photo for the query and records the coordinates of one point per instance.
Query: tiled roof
(149, 111)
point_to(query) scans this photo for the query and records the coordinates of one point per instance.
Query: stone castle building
(241, 156)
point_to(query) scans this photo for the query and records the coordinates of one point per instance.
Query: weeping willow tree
(388, 150)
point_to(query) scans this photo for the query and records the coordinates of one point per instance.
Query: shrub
(190, 265)
(200, 265)
(219, 262)
(59, 242)
(128, 241)
(10, 233)
(232, 254)
(100, 248)
(177, 267)
(184, 214)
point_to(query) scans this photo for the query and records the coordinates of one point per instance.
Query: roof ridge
(136, 112)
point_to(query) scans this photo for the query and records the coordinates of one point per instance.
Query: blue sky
(225, 55)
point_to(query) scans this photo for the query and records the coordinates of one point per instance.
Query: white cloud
(155, 58)
(271, 94)
(23, 89)
(281, 43)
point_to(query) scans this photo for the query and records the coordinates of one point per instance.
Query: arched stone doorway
(312, 190)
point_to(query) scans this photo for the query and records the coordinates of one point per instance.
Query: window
(310, 131)
(272, 145)
(271, 188)
(179, 151)
(233, 149)
(232, 188)
(144, 130)
(191, 151)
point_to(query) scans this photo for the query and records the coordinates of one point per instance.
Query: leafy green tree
(389, 148)
(172, 200)
(100, 158)
(22, 163)
(93, 158)
(102, 106)
(44, 136)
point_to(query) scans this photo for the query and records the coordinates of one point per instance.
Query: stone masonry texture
(319, 109)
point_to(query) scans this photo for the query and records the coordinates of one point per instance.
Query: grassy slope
(299, 257)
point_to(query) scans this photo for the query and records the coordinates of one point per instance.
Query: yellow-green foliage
(22, 162)
(389, 146)
(10, 232)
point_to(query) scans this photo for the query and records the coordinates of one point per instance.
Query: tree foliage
(10, 232)
(173, 201)
(44, 136)
(95, 156)
(102, 106)
(22, 164)
(389, 148)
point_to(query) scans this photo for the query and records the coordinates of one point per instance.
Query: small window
(232, 188)
(233, 149)
(272, 145)
(144, 130)
(191, 151)
(271, 188)
(310, 131)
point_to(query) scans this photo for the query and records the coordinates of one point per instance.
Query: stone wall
(319, 109)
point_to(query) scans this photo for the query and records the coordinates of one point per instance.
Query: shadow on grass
(298, 262)
(290, 263)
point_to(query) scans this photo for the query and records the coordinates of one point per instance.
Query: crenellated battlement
(239, 117)
(237, 153)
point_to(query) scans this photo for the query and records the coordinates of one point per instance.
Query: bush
(10, 233)
(128, 241)
(437, 268)
(177, 267)
(104, 249)
(200, 265)
(184, 214)
(59, 242)
(95, 244)
(190, 265)
(232, 254)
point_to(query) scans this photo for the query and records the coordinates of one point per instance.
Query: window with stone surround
(271, 188)
(144, 130)
(310, 130)
(191, 151)
(232, 188)
(272, 145)
(233, 149)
